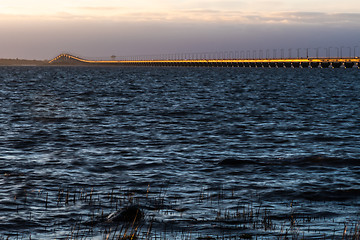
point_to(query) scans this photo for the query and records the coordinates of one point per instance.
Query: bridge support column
(336, 64)
(266, 65)
(252, 65)
(296, 64)
(304, 64)
(314, 64)
(287, 65)
(325, 64)
(348, 64)
(280, 64)
(272, 65)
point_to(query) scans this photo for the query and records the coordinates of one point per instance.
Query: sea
(201, 153)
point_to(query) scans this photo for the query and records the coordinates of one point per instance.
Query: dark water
(271, 153)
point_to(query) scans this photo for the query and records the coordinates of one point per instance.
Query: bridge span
(68, 59)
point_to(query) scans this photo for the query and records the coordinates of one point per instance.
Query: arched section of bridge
(68, 59)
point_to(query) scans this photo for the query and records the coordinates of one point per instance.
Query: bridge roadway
(67, 59)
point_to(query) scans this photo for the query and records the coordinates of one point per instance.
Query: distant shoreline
(22, 62)
(4, 62)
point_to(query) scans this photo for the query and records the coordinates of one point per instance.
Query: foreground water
(202, 152)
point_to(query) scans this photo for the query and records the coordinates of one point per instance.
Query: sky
(42, 29)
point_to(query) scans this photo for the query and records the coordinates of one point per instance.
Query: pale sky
(41, 29)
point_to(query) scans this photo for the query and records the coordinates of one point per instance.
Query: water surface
(220, 152)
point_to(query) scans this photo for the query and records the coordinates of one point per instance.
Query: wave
(302, 161)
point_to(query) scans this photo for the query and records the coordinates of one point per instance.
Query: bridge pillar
(325, 64)
(280, 64)
(295, 64)
(252, 65)
(348, 64)
(314, 64)
(272, 65)
(336, 64)
(304, 64)
(246, 64)
(287, 64)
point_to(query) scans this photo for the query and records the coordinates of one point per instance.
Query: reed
(243, 221)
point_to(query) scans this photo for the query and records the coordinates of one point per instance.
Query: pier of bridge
(68, 59)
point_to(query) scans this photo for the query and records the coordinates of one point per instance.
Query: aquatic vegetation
(125, 214)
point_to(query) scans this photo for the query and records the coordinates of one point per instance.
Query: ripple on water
(207, 151)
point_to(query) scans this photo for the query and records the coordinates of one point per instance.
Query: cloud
(308, 18)
(200, 11)
(104, 31)
(215, 16)
(220, 16)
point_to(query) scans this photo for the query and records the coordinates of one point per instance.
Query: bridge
(198, 60)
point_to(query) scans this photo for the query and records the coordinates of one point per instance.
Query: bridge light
(349, 52)
(337, 52)
(261, 54)
(248, 54)
(274, 53)
(329, 52)
(341, 53)
(317, 52)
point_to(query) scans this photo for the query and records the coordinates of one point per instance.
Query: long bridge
(203, 61)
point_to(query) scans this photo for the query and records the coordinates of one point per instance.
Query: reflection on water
(208, 152)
